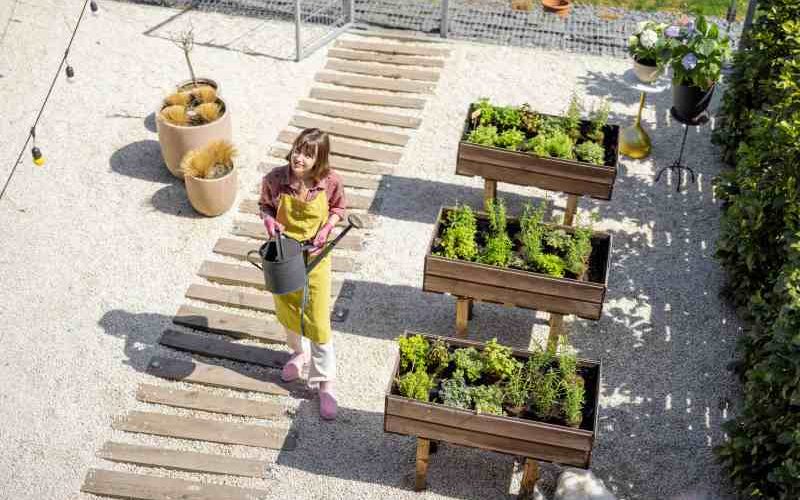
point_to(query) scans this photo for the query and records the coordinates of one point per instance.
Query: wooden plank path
(205, 401)
(146, 487)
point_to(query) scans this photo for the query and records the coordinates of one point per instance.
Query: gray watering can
(283, 263)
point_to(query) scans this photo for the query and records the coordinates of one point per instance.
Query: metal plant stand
(678, 165)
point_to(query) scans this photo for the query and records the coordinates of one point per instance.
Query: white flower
(633, 41)
(641, 25)
(649, 39)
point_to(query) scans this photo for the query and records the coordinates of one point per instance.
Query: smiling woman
(717, 8)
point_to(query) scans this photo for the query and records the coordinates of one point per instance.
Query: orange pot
(560, 7)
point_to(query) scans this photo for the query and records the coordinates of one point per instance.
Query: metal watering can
(283, 263)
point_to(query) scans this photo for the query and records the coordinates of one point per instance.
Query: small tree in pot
(211, 177)
(185, 41)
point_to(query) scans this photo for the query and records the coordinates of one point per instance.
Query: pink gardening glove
(272, 226)
(322, 237)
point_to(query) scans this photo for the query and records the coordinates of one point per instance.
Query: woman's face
(302, 162)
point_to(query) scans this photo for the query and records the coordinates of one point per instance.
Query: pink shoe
(294, 367)
(327, 403)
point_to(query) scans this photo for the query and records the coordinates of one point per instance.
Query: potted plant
(522, 262)
(648, 48)
(537, 404)
(185, 41)
(189, 120)
(518, 145)
(560, 7)
(697, 51)
(211, 177)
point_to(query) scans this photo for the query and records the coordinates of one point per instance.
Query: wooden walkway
(369, 98)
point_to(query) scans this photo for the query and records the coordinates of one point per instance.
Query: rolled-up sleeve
(266, 203)
(335, 193)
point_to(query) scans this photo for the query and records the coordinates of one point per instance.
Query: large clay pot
(646, 73)
(690, 101)
(213, 197)
(560, 7)
(177, 140)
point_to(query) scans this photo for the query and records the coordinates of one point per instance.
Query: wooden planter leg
(470, 312)
(572, 207)
(556, 331)
(530, 475)
(489, 190)
(462, 316)
(423, 453)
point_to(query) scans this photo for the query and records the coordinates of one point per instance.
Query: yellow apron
(301, 221)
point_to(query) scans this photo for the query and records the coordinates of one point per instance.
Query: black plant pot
(690, 101)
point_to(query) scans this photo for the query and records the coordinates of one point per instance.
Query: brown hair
(313, 141)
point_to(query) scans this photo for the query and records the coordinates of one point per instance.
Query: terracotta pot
(521, 5)
(645, 72)
(186, 85)
(560, 7)
(690, 101)
(177, 140)
(213, 197)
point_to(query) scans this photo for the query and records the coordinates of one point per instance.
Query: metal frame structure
(348, 20)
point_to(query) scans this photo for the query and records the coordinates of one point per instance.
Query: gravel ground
(98, 247)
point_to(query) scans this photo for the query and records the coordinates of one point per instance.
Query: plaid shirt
(277, 182)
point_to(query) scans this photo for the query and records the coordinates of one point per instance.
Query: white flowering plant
(647, 44)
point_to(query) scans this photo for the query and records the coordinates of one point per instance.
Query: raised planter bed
(527, 169)
(521, 288)
(512, 435)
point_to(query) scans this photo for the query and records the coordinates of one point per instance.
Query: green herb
(511, 139)
(518, 387)
(530, 120)
(483, 112)
(413, 352)
(468, 363)
(556, 144)
(507, 117)
(458, 237)
(415, 384)
(572, 406)
(545, 394)
(438, 356)
(591, 152)
(567, 361)
(572, 118)
(549, 263)
(498, 248)
(579, 250)
(558, 239)
(454, 392)
(598, 119)
(484, 135)
(487, 399)
(498, 361)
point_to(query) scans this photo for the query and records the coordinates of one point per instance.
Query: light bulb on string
(93, 6)
(36, 153)
(70, 71)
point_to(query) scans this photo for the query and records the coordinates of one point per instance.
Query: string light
(36, 153)
(94, 7)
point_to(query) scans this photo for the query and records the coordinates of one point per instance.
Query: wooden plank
(359, 114)
(142, 487)
(355, 201)
(462, 316)
(344, 163)
(379, 69)
(232, 274)
(205, 401)
(182, 460)
(159, 424)
(232, 298)
(375, 82)
(360, 55)
(352, 241)
(239, 249)
(232, 325)
(347, 148)
(354, 180)
(503, 444)
(370, 98)
(346, 130)
(217, 348)
(201, 373)
(423, 456)
(393, 48)
(391, 34)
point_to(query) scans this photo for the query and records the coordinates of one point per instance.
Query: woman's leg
(300, 356)
(323, 373)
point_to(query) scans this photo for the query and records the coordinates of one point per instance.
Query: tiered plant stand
(572, 177)
(530, 439)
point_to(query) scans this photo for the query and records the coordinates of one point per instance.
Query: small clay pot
(646, 73)
(560, 7)
(213, 197)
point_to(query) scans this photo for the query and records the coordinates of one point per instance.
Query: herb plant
(416, 384)
(550, 264)
(487, 399)
(456, 393)
(598, 119)
(511, 139)
(458, 237)
(545, 394)
(438, 356)
(484, 112)
(485, 135)
(530, 120)
(413, 352)
(572, 118)
(497, 251)
(507, 117)
(517, 388)
(573, 400)
(468, 363)
(591, 152)
(498, 362)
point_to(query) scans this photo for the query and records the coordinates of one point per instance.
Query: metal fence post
(298, 13)
(748, 20)
(445, 22)
(349, 7)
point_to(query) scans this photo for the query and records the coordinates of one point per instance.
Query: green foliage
(647, 44)
(415, 384)
(556, 144)
(558, 239)
(591, 152)
(468, 363)
(544, 391)
(498, 248)
(579, 250)
(507, 117)
(484, 135)
(532, 230)
(572, 120)
(413, 352)
(572, 406)
(530, 120)
(567, 362)
(549, 263)
(511, 139)
(518, 387)
(487, 399)
(438, 356)
(498, 362)
(759, 247)
(458, 237)
(598, 119)
(483, 112)
(454, 392)
(697, 53)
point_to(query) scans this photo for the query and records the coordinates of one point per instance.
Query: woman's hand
(322, 237)
(272, 226)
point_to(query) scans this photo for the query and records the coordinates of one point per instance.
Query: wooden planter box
(511, 435)
(553, 174)
(526, 289)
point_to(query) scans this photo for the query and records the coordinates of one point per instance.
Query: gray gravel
(98, 247)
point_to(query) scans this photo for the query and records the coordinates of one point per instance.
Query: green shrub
(549, 263)
(498, 362)
(438, 356)
(498, 248)
(484, 135)
(483, 112)
(511, 139)
(458, 237)
(413, 352)
(415, 384)
(468, 363)
(591, 152)
(454, 392)
(487, 399)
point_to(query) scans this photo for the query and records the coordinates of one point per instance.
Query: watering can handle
(327, 248)
(279, 240)
(253, 262)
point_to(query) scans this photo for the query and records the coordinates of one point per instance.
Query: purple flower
(689, 61)
(673, 31)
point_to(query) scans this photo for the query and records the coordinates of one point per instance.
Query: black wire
(44, 103)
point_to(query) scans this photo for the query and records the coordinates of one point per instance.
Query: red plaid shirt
(277, 182)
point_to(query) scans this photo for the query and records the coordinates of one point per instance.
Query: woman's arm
(266, 203)
(337, 204)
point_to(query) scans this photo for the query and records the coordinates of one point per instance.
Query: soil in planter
(598, 258)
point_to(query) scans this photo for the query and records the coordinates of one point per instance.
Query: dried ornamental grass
(213, 161)
(205, 94)
(175, 114)
(178, 98)
(208, 112)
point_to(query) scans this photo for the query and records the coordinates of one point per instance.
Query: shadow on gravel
(150, 122)
(388, 460)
